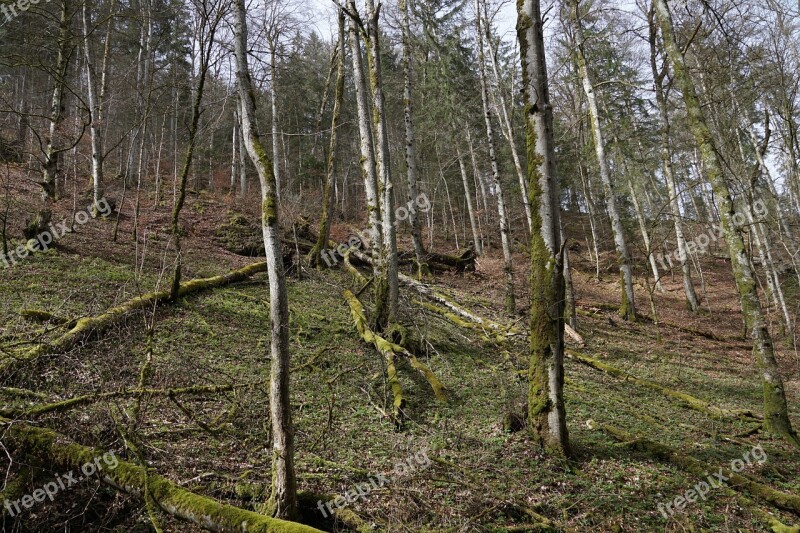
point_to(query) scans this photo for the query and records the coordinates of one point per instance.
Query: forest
(420, 265)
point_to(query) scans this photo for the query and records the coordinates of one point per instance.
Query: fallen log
(89, 326)
(682, 398)
(200, 510)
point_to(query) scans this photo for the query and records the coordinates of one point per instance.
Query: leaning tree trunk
(506, 128)
(383, 166)
(628, 308)
(473, 222)
(776, 415)
(327, 196)
(411, 149)
(369, 172)
(666, 165)
(505, 230)
(283, 499)
(546, 411)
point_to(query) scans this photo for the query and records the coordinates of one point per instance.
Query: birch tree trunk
(97, 97)
(383, 166)
(369, 172)
(283, 500)
(546, 411)
(628, 307)
(411, 149)
(505, 230)
(776, 416)
(51, 152)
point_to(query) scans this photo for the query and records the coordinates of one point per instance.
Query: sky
(322, 15)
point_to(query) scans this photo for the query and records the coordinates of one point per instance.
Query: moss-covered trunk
(546, 411)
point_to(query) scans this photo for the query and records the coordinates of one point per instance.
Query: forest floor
(477, 475)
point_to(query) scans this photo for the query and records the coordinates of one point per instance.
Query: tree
(283, 499)
(546, 411)
(776, 416)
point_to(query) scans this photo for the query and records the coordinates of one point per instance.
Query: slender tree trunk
(628, 307)
(506, 128)
(666, 165)
(234, 152)
(327, 195)
(546, 411)
(505, 229)
(276, 130)
(776, 416)
(283, 499)
(411, 149)
(473, 222)
(51, 152)
(242, 157)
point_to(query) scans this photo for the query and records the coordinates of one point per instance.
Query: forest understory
(182, 389)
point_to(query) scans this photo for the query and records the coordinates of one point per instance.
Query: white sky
(322, 15)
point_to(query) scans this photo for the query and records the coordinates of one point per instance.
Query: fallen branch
(97, 324)
(200, 510)
(682, 398)
(128, 393)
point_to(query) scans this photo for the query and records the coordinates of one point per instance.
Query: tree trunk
(276, 132)
(628, 307)
(411, 150)
(506, 127)
(327, 195)
(283, 499)
(383, 166)
(473, 222)
(51, 152)
(776, 416)
(369, 173)
(546, 411)
(505, 230)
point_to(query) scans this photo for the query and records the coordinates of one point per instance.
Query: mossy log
(202, 511)
(682, 398)
(736, 481)
(389, 350)
(89, 326)
(686, 329)
(464, 262)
